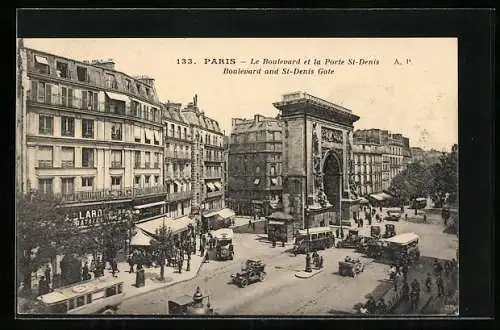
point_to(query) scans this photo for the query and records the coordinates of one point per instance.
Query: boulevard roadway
(282, 293)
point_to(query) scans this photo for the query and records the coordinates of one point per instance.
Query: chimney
(106, 64)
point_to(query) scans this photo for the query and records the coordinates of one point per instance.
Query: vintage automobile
(224, 249)
(365, 243)
(187, 305)
(350, 267)
(393, 215)
(351, 241)
(319, 238)
(390, 231)
(251, 272)
(375, 231)
(396, 248)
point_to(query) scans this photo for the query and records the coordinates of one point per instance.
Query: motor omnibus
(97, 296)
(319, 238)
(395, 248)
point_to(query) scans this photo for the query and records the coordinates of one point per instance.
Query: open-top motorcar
(251, 272)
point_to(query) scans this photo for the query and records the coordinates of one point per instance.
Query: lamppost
(306, 225)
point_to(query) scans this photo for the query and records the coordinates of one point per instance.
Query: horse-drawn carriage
(251, 272)
(350, 267)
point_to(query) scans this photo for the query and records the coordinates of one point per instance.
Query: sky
(417, 98)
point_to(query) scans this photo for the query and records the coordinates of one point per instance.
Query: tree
(443, 177)
(40, 230)
(411, 183)
(163, 245)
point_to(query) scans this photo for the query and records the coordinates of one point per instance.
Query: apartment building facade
(91, 136)
(207, 165)
(255, 165)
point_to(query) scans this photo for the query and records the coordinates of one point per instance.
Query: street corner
(303, 274)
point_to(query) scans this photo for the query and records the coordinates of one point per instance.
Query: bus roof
(223, 233)
(78, 289)
(315, 230)
(403, 239)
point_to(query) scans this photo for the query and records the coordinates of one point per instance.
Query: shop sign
(90, 217)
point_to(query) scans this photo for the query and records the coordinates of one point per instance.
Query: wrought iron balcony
(102, 194)
(180, 195)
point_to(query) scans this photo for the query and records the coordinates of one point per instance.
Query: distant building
(207, 165)
(255, 165)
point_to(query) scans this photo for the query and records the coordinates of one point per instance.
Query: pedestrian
(249, 223)
(415, 298)
(381, 306)
(42, 286)
(206, 256)
(405, 271)
(428, 282)
(202, 250)
(380, 208)
(406, 216)
(438, 268)
(180, 263)
(370, 304)
(405, 292)
(425, 218)
(337, 232)
(395, 281)
(130, 261)
(253, 226)
(113, 267)
(440, 286)
(85, 272)
(321, 262)
(47, 273)
(392, 272)
(415, 286)
(283, 243)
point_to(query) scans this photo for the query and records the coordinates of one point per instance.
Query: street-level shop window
(87, 182)
(46, 125)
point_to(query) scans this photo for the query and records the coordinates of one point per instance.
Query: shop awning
(141, 239)
(137, 132)
(41, 60)
(210, 186)
(363, 200)
(226, 213)
(140, 207)
(218, 185)
(210, 214)
(280, 216)
(117, 97)
(386, 195)
(377, 197)
(176, 225)
(274, 222)
(148, 134)
(256, 181)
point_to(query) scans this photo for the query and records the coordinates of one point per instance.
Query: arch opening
(332, 179)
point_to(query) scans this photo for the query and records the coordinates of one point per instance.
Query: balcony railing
(176, 137)
(45, 164)
(67, 164)
(179, 195)
(103, 194)
(116, 165)
(215, 193)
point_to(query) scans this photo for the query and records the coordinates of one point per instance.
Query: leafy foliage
(411, 183)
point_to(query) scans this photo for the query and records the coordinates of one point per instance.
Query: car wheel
(262, 277)
(243, 283)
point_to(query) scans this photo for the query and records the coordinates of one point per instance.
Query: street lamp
(306, 224)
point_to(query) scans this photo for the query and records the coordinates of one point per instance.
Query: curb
(166, 285)
(304, 275)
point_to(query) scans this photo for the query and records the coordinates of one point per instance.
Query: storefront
(150, 207)
(180, 227)
(280, 227)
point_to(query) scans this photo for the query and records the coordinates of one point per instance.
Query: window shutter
(84, 100)
(55, 94)
(34, 90)
(70, 97)
(48, 93)
(96, 104)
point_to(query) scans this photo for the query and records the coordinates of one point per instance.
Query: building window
(110, 81)
(139, 90)
(46, 125)
(115, 106)
(116, 131)
(137, 159)
(157, 179)
(62, 69)
(136, 109)
(88, 128)
(137, 180)
(147, 91)
(146, 180)
(68, 186)
(45, 157)
(81, 73)
(41, 65)
(273, 170)
(87, 157)
(147, 159)
(87, 181)
(127, 84)
(67, 157)
(156, 160)
(116, 182)
(67, 126)
(67, 96)
(116, 158)
(185, 133)
(45, 186)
